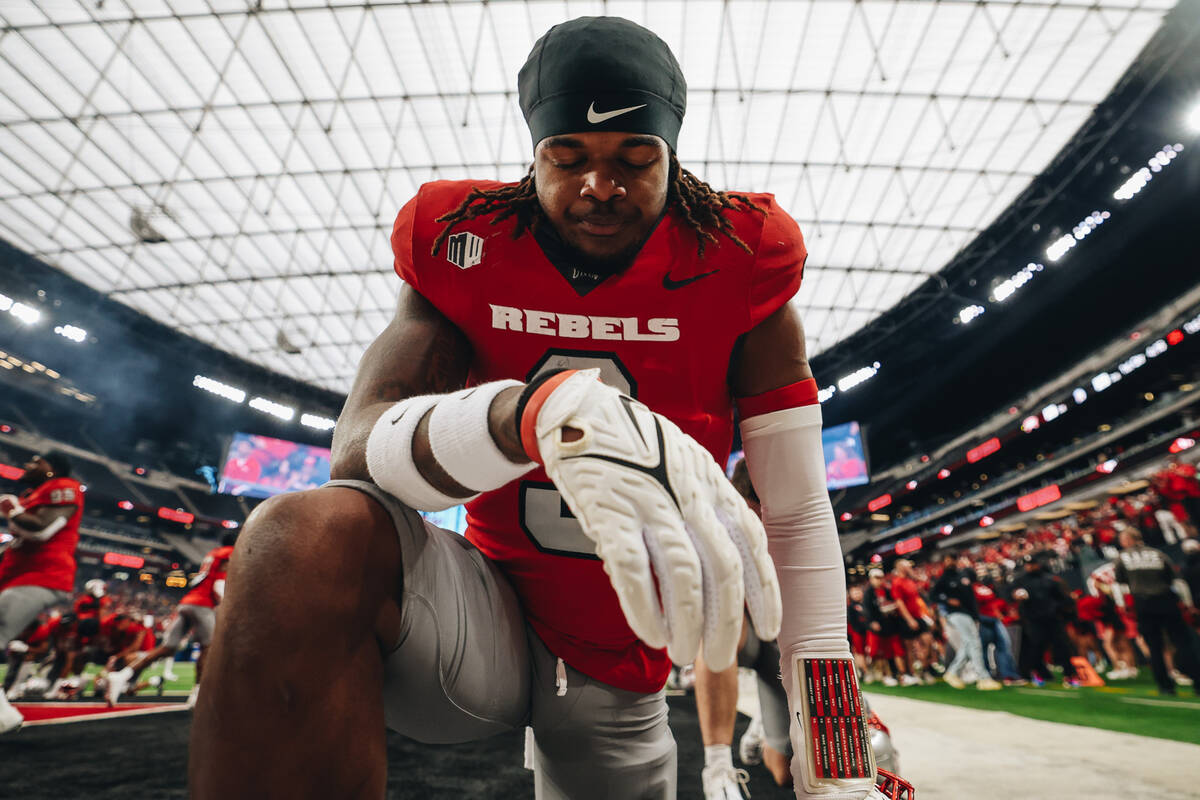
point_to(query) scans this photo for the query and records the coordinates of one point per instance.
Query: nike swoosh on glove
(659, 509)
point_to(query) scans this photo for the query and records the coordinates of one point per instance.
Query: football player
(37, 570)
(195, 615)
(604, 314)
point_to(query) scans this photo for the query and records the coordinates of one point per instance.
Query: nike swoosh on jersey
(596, 117)
(670, 284)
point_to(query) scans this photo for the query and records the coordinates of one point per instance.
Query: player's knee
(330, 538)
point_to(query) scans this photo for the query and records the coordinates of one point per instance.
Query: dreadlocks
(701, 205)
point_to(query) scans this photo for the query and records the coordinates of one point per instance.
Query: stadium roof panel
(233, 169)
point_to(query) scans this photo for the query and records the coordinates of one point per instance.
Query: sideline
(950, 752)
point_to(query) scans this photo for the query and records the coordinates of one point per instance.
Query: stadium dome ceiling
(232, 169)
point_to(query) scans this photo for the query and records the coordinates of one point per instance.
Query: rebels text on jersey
(49, 564)
(212, 569)
(663, 331)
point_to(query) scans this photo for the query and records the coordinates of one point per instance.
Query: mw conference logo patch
(464, 250)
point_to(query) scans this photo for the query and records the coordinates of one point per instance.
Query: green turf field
(185, 671)
(1132, 706)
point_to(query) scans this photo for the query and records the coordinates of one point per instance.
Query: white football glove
(10, 505)
(658, 507)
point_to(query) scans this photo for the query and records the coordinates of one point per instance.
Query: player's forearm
(437, 450)
(31, 527)
(419, 353)
(502, 425)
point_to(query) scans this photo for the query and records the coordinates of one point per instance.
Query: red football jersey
(664, 331)
(50, 564)
(213, 569)
(89, 607)
(905, 590)
(122, 632)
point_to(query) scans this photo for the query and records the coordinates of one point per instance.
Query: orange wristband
(529, 413)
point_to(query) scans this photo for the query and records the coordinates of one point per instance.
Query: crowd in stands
(1002, 611)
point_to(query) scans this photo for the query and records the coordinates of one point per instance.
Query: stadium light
(285, 413)
(317, 421)
(1008, 288)
(970, 313)
(72, 332)
(857, 377)
(1138, 180)
(6, 302)
(27, 314)
(1193, 118)
(824, 394)
(1135, 361)
(1192, 326)
(1156, 348)
(1059, 247)
(220, 389)
(1101, 382)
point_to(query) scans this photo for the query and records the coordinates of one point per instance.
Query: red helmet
(893, 787)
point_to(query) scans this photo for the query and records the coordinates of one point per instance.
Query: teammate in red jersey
(38, 569)
(196, 615)
(603, 540)
(80, 639)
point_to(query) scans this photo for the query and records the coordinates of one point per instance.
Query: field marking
(1148, 701)
(114, 714)
(1051, 693)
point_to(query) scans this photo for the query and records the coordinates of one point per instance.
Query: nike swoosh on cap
(669, 283)
(596, 118)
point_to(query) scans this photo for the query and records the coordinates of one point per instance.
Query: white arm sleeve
(41, 535)
(787, 468)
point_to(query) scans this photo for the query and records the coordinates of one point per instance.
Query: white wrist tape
(390, 459)
(462, 441)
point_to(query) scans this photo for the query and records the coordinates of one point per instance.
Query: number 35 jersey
(663, 330)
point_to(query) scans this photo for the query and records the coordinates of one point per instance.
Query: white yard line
(951, 752)
(1149, 701)
(1044, 693)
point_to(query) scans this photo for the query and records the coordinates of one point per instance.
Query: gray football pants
(467, 666)
(20, 605)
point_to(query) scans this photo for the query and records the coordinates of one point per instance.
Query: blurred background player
(38, 569)
(196, 615)
(885, 647)
(80, 635)
(954, 589)
(917, 632)
(1044, 606)
(766, 740)
(1150, 576)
